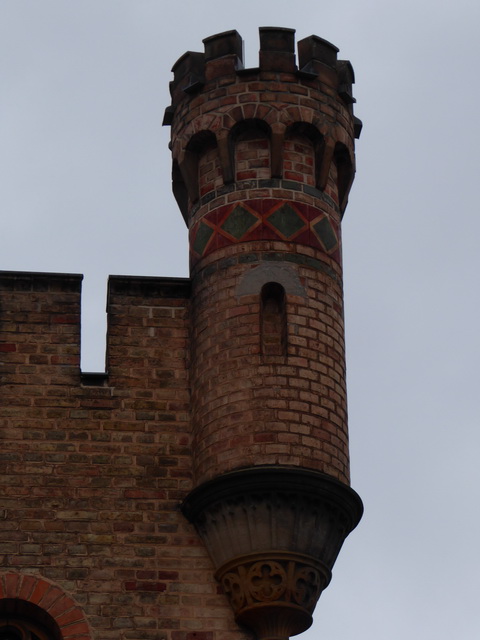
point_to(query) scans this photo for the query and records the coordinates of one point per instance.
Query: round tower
(263, 160)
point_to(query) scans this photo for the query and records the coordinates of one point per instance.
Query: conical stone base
(273, 534)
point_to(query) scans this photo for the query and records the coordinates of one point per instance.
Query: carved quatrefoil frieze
(279, 578)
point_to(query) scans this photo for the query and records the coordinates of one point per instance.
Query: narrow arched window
(273, 320)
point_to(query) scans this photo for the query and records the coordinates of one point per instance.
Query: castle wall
(199, 488)
(94, 467)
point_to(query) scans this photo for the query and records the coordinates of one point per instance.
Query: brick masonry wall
(299, 160)
(252, 158)
(209, 172)
(251, 409)
(94, 469)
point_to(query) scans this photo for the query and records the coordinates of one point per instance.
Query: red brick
(12, 584)
(50, 597)
(39, 591)
(135, 585)
(62, 604)
(74, 630)
(26, 587)
(73, 615)
(7, 347)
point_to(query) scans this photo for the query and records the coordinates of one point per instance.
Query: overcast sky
(85, 188)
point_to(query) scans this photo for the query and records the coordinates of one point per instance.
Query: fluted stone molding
(273, 534)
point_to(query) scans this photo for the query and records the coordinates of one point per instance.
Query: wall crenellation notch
(223, 57)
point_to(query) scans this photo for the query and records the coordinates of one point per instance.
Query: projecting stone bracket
(274, 593)
(273, 534)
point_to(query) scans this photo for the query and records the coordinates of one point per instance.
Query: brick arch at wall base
(50, 600)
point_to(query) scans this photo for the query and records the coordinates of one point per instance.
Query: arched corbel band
(326, 145)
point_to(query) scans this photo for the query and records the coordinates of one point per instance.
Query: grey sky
(85, 187)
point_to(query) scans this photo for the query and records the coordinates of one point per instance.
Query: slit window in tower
(273, 320)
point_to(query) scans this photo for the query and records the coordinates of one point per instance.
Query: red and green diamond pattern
(265, 220)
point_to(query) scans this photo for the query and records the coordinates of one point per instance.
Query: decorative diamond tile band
(266, 219)
(286, 221)
(203, 235)
(239, 221)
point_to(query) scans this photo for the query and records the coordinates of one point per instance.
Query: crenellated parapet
(216, 103)
(40, 329)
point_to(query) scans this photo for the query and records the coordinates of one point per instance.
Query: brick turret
(263, 160)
